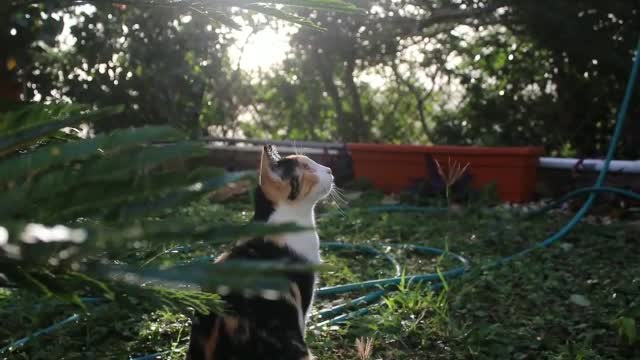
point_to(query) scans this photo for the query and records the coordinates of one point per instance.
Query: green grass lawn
(579, 299)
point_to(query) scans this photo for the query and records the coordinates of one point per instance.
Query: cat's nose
(329, 171)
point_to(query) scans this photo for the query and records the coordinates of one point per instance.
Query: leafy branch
(73, 212)
(214, 10)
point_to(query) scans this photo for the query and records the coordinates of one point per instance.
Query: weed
(364, 347)
(453, 173)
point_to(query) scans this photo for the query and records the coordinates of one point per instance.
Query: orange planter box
(393, 168)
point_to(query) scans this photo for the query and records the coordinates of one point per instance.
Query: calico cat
(267, 327)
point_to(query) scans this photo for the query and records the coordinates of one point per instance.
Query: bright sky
(256, 51)
(263, 50)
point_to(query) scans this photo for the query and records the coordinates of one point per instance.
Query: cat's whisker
(332, 196)
(338, 190)
(335, 188)
(335, 196)
(341, 197)
(295, 148)
(338, 194)
(339, 204)
(339, 200)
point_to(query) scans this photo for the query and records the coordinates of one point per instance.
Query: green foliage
(75, 212)
(518, 311)
(166, 62)
(446, 74)
(528, 81)
(523, 310)
(29, 125)
(456, 72)
(627, 329)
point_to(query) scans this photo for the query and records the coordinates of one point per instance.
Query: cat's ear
(271, 152)
(268, 161)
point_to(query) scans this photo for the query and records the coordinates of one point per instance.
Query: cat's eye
(306, 166)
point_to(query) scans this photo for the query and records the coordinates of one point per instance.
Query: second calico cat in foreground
(266, 327)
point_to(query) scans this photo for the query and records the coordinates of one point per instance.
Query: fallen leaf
(579, 300)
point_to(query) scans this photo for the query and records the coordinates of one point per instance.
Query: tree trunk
(359, 128)
(326, 74)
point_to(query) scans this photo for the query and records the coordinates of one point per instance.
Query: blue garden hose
(52, 328)
(343, 312)
(588, 190)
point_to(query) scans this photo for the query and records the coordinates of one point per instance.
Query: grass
(579, 299)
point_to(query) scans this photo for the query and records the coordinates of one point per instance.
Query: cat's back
(258, 324)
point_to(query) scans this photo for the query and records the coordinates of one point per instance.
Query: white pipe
(616, 166)
(294, 143)
(281, 149)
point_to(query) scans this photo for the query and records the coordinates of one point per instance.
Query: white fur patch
(304, 243)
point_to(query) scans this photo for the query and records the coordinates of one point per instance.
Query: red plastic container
(392, 168)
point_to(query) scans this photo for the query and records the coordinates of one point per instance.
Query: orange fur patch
(274, 189)
(237, 328)
(231, 324)
(277, 190)
(211, 343)
(308, 180)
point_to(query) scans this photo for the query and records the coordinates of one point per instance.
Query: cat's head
(295, 179)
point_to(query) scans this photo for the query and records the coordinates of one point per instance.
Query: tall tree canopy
(491, 72)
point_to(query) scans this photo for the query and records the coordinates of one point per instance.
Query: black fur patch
(272, 329)
(263, 206)
(287, 169)
(295, 188)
